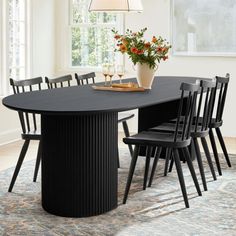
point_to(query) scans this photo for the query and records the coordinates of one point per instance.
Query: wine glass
(120, 70)
(111, 72)
(105, 71)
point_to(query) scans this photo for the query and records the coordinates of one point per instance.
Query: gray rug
(157, 211)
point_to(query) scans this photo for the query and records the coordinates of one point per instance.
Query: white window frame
(119, 58)
(4, 46)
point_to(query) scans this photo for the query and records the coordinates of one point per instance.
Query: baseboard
(10, 136)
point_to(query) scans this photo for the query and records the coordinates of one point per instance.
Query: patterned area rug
(159, 210)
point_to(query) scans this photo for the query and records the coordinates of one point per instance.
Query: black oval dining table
(79, 139)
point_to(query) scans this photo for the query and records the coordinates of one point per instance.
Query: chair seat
(148, 138)
(32, 135)
(122, 116)
(170, 127)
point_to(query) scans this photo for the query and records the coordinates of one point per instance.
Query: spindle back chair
(175, 141)
(216, 120)
(29, 125)
(88, 78)
(58, 82)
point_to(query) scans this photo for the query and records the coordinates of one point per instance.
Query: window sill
(84, 69)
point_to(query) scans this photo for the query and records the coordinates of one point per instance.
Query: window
(92, 42)
(14, 33)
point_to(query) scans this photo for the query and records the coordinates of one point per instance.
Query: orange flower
(147, 45)
(123, 48)
(139, 52)
(124, 41)
(117, 36)
(165, 49)
(159, 49)
(154, 39)
(165, 58)
(134, 50)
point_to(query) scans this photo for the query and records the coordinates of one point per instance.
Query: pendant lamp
(116, 6)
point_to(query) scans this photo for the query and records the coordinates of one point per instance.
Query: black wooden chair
(122, 117)
(175, 141)
(28, 121)
(88, 78)
(217, 121)
(198, 130)
(58, 82)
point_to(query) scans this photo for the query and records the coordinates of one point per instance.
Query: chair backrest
(85, 79)
(219, 101)
(58, 82)
(27, 120)
(205, 103)
(186, 110)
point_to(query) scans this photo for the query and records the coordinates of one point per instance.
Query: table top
(83, 99)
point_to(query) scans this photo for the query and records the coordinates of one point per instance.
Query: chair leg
(38, 159)
(171, 163)
(215, 152)
(200, 165)
(222, 143)
(19, 163)
(154, 166)
(183, 155)
(131, 172)
(168, 155)
(127, 134)
(118, 159)
(191, 168)
(208, 156)
(181, 177)
(147, 164)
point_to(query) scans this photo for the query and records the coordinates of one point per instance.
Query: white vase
(145, 75)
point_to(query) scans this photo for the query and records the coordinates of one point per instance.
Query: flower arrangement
(140, 50)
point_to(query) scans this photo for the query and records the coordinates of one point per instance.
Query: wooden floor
(9, 153)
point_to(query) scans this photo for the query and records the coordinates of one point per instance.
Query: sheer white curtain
(14, 45)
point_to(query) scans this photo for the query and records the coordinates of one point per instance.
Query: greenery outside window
(92, 42)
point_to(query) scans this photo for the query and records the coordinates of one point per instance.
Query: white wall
(42, 60)
(43, 37)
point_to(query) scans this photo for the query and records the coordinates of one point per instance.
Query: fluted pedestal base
(79, 164)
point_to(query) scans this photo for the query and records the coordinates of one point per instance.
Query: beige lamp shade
(116, 5)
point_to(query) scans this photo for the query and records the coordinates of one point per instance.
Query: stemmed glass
(105, 71)
(120, 70)
(111, 72)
